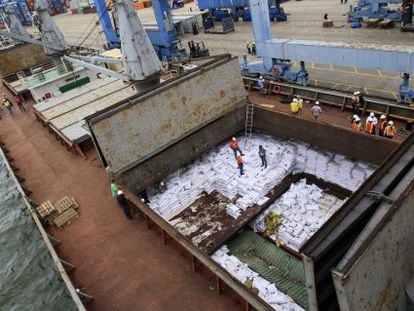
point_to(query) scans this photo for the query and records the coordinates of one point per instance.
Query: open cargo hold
(196, 113)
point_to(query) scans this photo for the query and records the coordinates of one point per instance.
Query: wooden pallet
(65, 203)
(66, 218)
(46, 209)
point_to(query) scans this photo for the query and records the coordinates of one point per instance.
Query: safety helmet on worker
(234, 139)
(383, 117)
(260, 77)
(390, 123)
(372, 114)
(316, 103)
(357, 119)
(295, 100)
(355, 116)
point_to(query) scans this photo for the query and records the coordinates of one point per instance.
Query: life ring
(277, 89)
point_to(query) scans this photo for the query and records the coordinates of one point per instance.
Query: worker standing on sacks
(262, 155)
(234, 145)
(239, 160)
(261, 85)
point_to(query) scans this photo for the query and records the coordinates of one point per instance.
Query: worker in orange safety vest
(356, 123)
(369, 126)
(382, 125)
(389, 131)
(234, 145)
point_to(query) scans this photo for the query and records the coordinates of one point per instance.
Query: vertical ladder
(248, 126)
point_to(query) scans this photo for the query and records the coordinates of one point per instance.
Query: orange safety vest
(356, 126)
(369, 128)
(234, 145)
(389, 131)
(239, 160)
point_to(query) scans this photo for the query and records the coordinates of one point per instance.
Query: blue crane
(165, 41)
(276, 54)
(374, 9)
(240, 9)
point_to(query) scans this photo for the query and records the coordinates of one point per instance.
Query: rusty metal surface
(135, 132)
(325, 136)
(183, 152)
(378, 278)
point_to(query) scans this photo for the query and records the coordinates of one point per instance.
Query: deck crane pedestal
(165, 41)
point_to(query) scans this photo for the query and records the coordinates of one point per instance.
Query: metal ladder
(248, 125)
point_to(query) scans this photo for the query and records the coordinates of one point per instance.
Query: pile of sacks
(267, 291)
(217, 170)
(304, 209)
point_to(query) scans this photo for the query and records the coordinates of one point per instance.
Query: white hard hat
(295, 99)
(391, 123)
(119, 192)
(234, 138)
(372, 114)
(357, 93)
(260, 77)
(383, 117)
(355, 116)
(316, 103)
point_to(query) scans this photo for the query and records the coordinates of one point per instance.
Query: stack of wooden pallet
(61, 213)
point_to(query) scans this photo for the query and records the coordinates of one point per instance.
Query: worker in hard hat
(262, 155)
(234, 145)
(389, 131)
(123, 203)
(294, 106)
(374, 121)
(316, 110)
(356, 123)
(239, 160)
(356, 103)
(7, 103)
(369, 126)
(261, 85)
(300, 104)
(382, 125)
(249, 47)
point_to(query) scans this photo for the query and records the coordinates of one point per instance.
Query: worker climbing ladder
(248, 126)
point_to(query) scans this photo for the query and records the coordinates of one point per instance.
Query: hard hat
(119, 192)
(357, 119)
(357, 93)
(316, 103)
(391, 123)
(383, 117)
(295, 100)
(260, 77)
(372, 114)
(234, 139)
(355, 116)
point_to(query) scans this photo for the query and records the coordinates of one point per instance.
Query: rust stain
(222, 94)
(385, 296)
(184, 100)
(173, 105)
(166, 126)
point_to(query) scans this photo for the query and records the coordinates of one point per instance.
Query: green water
(28, 280)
